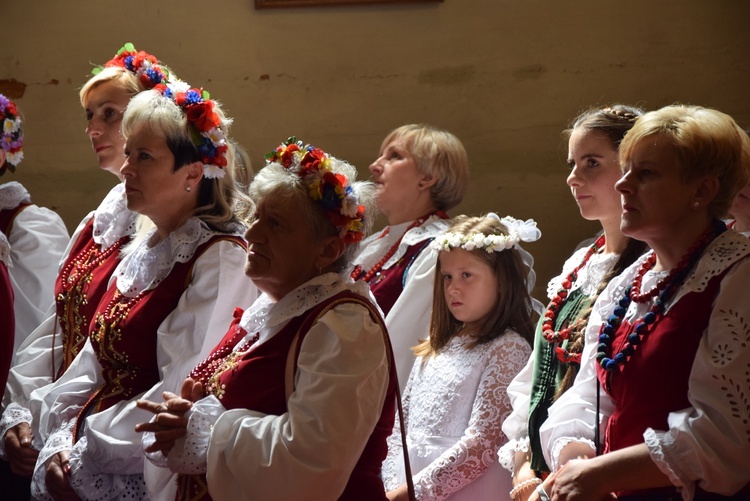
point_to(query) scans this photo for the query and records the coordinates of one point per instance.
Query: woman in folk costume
(593, 140)
(421, 172)
(667, 350)
(298, 399)
(37, 235)
(89, 261)
(176, 284)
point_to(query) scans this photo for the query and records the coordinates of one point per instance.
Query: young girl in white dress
(455, 400)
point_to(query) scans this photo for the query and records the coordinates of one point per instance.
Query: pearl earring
(187, 188)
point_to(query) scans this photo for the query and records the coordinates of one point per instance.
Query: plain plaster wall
(505, 76)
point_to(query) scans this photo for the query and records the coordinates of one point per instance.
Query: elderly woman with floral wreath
(297, 400)
(166, 300)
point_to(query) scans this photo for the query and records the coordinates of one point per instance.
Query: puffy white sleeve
(341, 382)
(708, 444)
(34, 365)
(516, 426)
(112, 449)
(408, 321)
(37, 242)
(571, 417)
(475, 452)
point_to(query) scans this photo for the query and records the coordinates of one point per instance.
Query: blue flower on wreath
(193, 97)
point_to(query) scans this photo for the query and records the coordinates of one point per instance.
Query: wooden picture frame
(274, 4)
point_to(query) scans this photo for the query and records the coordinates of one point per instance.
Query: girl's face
(104, 108)
(594, 170)
(470, 286)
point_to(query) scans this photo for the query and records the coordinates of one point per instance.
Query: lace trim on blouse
(265, 314)
(12, 194)
(145, 266)
(112, 219)
(374, 247)
(589, 277)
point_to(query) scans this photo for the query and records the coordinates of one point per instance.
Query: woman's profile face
(397, 178)
(104, 107)
(594, 170)
(152, 187)
(655, 200)
(281, 251)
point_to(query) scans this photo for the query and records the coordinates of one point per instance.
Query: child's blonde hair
(513, 305)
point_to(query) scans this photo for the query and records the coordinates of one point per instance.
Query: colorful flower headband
(518, 231)
(332, 191)
(204, 122)
(145, 66)
(11, 140)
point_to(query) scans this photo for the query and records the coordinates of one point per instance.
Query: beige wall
(503, 75)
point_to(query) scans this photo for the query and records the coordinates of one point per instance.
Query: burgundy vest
(387, 285)
(654, 381)
(79, 287)
(230, 376)
(123, 335)
(7, 216)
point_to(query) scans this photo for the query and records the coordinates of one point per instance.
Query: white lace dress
(454, 407)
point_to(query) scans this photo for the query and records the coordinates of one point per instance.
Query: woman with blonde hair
(667, 351)
(87, 265)
(175, 283)
(421, 173)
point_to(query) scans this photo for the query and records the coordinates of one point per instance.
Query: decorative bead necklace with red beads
(220, 361)
(548, 327)
(664, 290)
(85, 262)
(358, 273)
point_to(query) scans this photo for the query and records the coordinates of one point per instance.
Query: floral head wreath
(204, 122)
(145, 66)
(332, 191)
(11, 140)
(518, 231)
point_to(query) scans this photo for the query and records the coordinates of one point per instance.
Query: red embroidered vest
(123, 335)
(654, 381)
(79, 287)
(387, 285)
(228, 375)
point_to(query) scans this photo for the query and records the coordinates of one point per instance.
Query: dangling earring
(187, 188)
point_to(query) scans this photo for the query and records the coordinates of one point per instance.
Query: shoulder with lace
(13, 193)
(145, 264)
(727, 249)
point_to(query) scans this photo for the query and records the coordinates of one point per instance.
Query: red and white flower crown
(144, 65)
(11, 138)
(330, 189)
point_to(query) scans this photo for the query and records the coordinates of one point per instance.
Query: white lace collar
(112, 219)
(266, 316)
(375, 247)
(589, 277)
(4, 250)
(13, 193)
(727, 249)
(146, 265)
